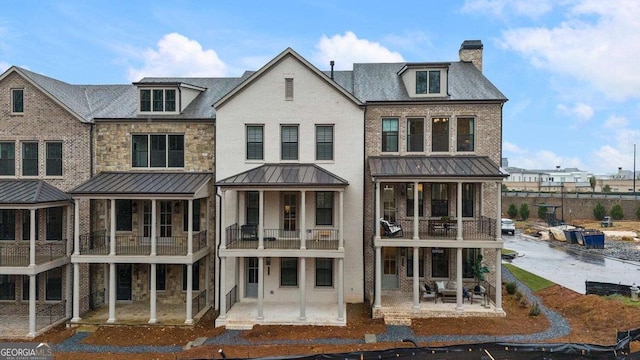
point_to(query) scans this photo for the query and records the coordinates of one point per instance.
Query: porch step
(238, 325)
(397, 319)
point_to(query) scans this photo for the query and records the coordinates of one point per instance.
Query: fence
(603, 289)
(199, 302)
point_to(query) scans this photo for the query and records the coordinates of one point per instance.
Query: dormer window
(157, 100)
(428, 82)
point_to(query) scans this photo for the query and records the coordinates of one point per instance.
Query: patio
(397, 309)
(243, 315)
(137, 313)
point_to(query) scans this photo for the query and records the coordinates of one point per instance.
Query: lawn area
(534, 282)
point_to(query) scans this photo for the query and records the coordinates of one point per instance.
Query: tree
(479, 269)
(524, 212)
(599, 211)
(616, 212)
(542, 212)
(513, 211)
(592, 182)
(606, 189)
(505, 188)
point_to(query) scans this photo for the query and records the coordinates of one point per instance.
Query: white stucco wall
(315, 102)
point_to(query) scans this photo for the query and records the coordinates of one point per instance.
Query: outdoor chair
(390, 229)
(249, 232)
(427, 293)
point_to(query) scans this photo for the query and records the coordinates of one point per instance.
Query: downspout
(218, 237)
(364, 228)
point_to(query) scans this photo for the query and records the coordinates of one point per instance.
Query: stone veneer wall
(488, 142)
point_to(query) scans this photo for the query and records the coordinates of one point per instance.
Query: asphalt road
(567, 267)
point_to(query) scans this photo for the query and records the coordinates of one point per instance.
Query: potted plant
(479, 270)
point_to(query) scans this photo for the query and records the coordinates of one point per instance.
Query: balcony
(99, 243)
(246, 237)
(435, 229)
(17, 254)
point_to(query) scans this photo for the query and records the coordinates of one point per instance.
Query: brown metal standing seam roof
(285, 175)
(434, 166)
(130, 183)
(15, 191)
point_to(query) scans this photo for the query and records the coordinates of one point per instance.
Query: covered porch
(243, 315)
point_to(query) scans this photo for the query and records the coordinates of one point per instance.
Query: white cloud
(501, 8)
(538, 160)
(580, 113)
(348, 49)
(177, 55)
(597, 44)
(616, 122)
(512, 148)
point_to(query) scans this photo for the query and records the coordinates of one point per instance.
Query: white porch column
(189, 295)
(223, 220)
(376, 224)
(154, 234)
(112, 292)
(341, 221)
(459, 298)
(32, 305)
(152, 295)
(416, 275)
(499, 212)
(340, 289)
(261, 287)
(32, 238)
(68, 291)
(303, 288)
(112, 229)
(190, 228)
(76, 293)
(303, 220)
(498, 280)
(260, 222)
(76, 227)
(416, 213)
(207, 279)
(459, 211)
(378, 290)
(222, 290)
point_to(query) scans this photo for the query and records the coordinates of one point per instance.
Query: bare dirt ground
(593, 319)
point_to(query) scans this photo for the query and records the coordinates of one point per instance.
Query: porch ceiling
(307, 175)
(435, 167)
(145, 184)
(21, 192)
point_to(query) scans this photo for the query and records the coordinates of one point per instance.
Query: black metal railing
(231, 297)
(98, 243)
(95, 243)
(199, 302)
(48, 314)
(247, 237)
(18, 254)
(483, 228)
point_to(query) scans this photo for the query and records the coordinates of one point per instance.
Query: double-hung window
(195, 271)
(157, 151)
(324, 142)
(440, 134)
(468, 196)
(54, 158)
(124, 215)
(7, 224)
(428, 82)
(439, 262)
(324, 272)
(288, 271)
(410, 200)
(7, 287)
(29, 159)
(54, 223)
(324, 208)
(253, 207)
(415, 135)
(465, 134)
(17, 101)
(289, 139)
(439, 199)
(390, 135)
(255, 142)
(157, 100)
(196, 215)
(7, 158)
(54, 284)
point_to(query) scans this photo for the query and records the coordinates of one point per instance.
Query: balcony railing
(246, 237)
(483, 228)
(17, 254)
(98, 243)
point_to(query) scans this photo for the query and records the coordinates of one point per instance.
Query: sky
(570, 68)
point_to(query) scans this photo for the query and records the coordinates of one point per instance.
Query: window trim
(446, 257)
(428, 82)
(46, 285)
(330, 269)
(386, 136)
(288, 89)
(152, 92)
(409, 135)
(60, 160)
(13, 104)
(37, 158)
(297, 142)
(167, 150)
(9, 159)
(443, 134)
(248, 142)
(471, 135)
(293, 269)
(319, 143)
(50, 228)
(124, 213)
(323, 209)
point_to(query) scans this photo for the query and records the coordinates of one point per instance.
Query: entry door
(251, 270)
(389, 268)
(289, 214)
(123, 291)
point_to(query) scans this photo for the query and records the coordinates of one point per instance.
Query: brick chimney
(471, 51)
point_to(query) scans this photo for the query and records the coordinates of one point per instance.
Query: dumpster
(593, 239)
(571, 236)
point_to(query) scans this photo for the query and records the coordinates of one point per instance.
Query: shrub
(616, 212)
(524, 212)
(511, 287)
(513, 211)
(534, 310)
(542, 212)
(524, 303)
(518, 295)
(599, 211)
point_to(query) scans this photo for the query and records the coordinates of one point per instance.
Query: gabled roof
(435, 167)
(307, 175)
(14, 191)
(288, 52)
(182, 184)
